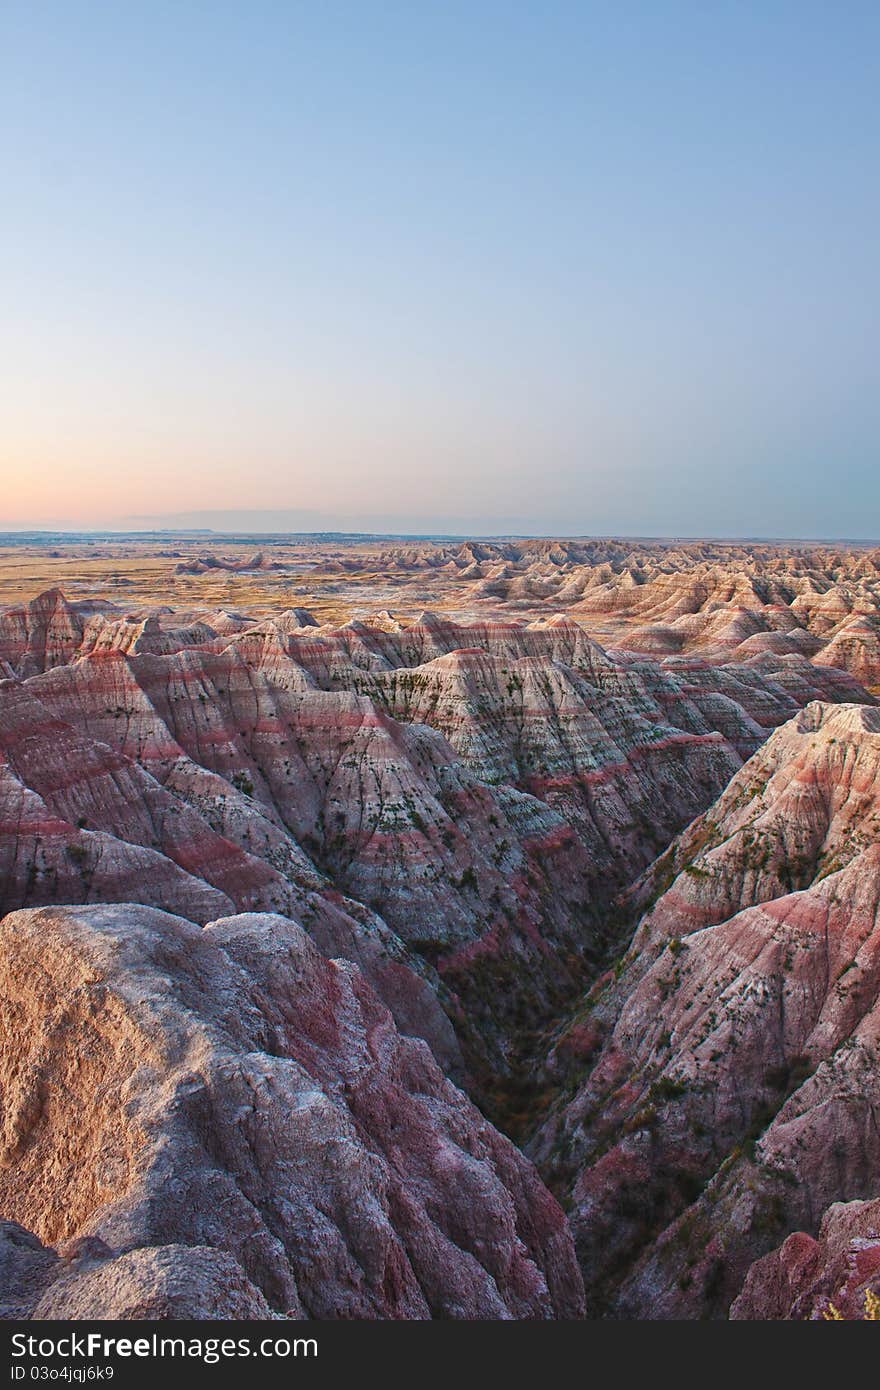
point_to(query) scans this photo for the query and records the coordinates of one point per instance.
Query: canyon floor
(462, 929)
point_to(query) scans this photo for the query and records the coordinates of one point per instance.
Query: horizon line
(207, 532)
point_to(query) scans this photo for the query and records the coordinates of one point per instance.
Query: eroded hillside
(723, 1079)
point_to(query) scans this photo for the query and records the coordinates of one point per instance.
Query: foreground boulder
(227, 1101)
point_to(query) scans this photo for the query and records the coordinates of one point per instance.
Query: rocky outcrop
(27, 1267)
(855, 647)
(85, 1280)
(210, 563)
(825, 1277)
(224, 1116)
(43, 633)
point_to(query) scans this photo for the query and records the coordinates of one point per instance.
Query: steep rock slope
(228, 1089)
(725, 1078)
(43, 633)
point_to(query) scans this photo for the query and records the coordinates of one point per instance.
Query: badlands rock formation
(229, 1090)
(726, 601)
(721, 601)
(452, 808)
(289, 884)
(828, 1276)
(725, 1078)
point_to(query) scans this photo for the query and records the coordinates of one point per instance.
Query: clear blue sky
(554, 267)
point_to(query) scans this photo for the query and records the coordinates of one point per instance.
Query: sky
(481, 267)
